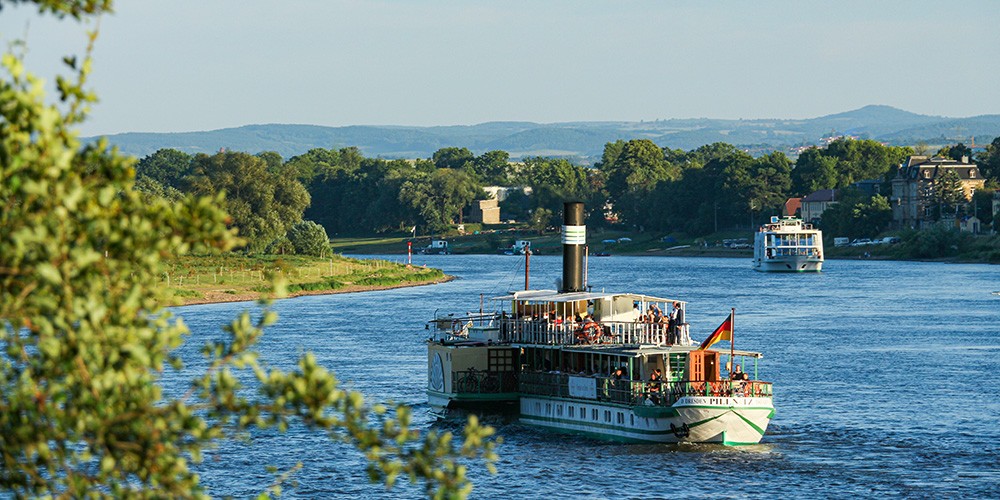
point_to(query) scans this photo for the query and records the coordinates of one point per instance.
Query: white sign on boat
(582, 387)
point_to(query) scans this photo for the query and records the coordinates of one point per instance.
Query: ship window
(572, 410)
(583, 413)
(631, 419)
(548, 408)
(558, 410)
(621, 418)
(593, 414)
(500, 360)
(607, 416)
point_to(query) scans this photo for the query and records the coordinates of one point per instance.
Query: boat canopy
(553, 296)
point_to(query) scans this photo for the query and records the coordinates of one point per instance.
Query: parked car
(624, 240)
(860, 242)
(609, 242)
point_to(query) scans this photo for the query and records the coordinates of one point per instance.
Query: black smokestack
(574, 238)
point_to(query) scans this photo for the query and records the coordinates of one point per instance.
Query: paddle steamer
(605, 364)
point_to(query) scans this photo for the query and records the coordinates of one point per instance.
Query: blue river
(885, 375)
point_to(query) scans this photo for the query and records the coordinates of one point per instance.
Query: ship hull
(731, 421)
(789, 265)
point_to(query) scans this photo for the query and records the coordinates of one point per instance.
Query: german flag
(723, 332)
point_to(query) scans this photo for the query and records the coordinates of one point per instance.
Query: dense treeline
(636, 183)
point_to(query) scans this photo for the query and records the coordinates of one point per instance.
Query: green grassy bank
(234, 277)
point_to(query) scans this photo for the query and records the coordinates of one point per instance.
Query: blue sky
(184, 65)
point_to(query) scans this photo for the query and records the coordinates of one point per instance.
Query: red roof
(793, 205)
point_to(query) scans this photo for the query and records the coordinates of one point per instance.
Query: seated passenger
(655, 380)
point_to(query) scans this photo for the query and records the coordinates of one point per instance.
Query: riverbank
(930, 245)
(238, 278)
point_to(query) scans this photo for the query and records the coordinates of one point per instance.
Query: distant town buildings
(816, 203)
(485, 211)
(501, 193)
(916, 189)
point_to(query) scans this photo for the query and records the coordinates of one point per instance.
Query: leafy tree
(814, 171)
(492, 167)
(936, 242)
(540, 219)
(280, 246)
(452, 158)
(950, 194)
(982, 201)
(633, 175)
(309, 238)
(440, 198)
(844, 162)
(553, 181)
(956, 152)
(152, 190)
(516, 206)
(872, 217)
(856, 215)
(989, 161)
(166, 166)
(86, 339)
(361, 195)
(273, 161)
(263, 204)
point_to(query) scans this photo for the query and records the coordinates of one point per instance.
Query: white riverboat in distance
(787, 244)
(617, 366)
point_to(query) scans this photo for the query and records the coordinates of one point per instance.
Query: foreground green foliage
(85, 342)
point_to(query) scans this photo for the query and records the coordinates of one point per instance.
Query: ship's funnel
(574, 240)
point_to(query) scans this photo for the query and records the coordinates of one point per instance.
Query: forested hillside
(581, 141)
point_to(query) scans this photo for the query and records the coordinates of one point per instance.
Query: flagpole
(732, 341)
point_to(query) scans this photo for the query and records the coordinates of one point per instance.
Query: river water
(886, 381)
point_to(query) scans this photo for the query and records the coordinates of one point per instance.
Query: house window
(972, 173)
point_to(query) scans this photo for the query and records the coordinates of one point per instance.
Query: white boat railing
(520, 331)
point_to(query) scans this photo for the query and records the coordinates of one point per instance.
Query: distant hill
(583, 141)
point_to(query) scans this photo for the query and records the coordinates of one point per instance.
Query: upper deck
(546, 317)
(788, 225)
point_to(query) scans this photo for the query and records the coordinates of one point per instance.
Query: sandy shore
(220, 296)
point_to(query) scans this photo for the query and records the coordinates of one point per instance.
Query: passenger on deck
(655, 379)
(676, 323)
(655, 312)
(738, 374)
